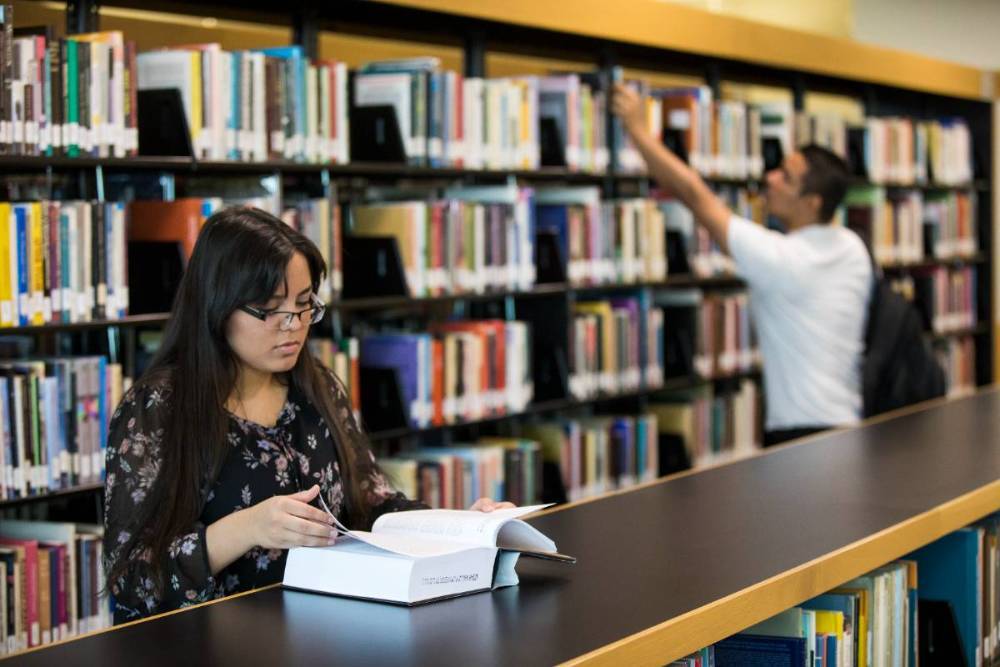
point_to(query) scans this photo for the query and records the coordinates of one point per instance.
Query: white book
(420, 556)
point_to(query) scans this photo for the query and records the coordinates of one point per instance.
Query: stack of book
(257, 105)
(892, 225)
(575, 106)
(710, 335)
(458, 371)
(945, 593)
(690, 248)
(67, 96)
(946, 297)
(719, 138)
(454, 477)
(52, 583)
(62, 262)
(611, 241)
(54, 416)
(343, 357)
(950, 224)
(612, 344)
(957, 357)
(710, 426)
(474, 240)
(599, 454)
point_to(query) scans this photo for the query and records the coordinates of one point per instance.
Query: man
(809, 288)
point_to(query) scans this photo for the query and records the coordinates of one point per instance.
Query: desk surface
(662, 570)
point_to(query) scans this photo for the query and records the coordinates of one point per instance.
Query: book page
(457, 526)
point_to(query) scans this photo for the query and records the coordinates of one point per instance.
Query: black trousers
(777, 437)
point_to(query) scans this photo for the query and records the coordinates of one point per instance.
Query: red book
(30, 585)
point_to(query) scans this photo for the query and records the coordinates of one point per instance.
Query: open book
(423, 555)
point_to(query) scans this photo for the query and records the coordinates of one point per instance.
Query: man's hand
(628, 106)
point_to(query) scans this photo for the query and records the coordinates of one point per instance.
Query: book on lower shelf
(420, 556)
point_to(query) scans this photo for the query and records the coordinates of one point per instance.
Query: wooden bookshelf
(649, 36)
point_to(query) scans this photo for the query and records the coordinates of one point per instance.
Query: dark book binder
(674, 140)
(375, 135)
(939, 641)
(372, 267)
(162, 265)
(382, 400)
(551, 142)
(549, 262)
(163, 127)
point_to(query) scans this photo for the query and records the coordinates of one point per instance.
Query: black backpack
(899, 366)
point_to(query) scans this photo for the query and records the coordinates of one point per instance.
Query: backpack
(899, 367)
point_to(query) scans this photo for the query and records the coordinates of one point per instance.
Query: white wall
(962, 31)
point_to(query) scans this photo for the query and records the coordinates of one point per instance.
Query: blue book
(405, 354)
(554, 218)
(831, 650)
(21, 213)
(54, 437)
(846, 604)
(233, 122)
(295, 85)
(741, 650)
(948, 570)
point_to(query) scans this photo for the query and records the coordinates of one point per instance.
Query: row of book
(457, 371)
(454, 477)
(592, 455)
(957, 357)
(604, 241)
(52, 583)
(886, 150)
(62, 262)
(78, 95)
(598, 454)
(708, 334)
(473, 240)
(909, 226)
(945, 297)
(690, 248)
(54, 416)
(939, 604)
(343, 357)
(710, 425)
(66, 96)
(616, 346)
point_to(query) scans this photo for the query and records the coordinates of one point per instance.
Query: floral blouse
(290, 456)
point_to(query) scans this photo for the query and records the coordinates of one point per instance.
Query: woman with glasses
(221, 454)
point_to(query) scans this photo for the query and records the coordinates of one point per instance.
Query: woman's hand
(289, 521)
(488, 505)
(627, 105)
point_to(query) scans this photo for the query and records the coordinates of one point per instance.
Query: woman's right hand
(282, 522)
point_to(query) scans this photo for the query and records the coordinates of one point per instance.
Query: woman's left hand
(488, 505)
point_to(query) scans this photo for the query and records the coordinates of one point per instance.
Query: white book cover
(420, 556)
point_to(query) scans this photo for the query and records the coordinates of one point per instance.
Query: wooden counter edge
(685, 634)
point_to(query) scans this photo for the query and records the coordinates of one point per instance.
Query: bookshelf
(516, 28)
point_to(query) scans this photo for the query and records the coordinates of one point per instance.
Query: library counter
(663, 569)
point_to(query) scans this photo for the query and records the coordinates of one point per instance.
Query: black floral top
(290, 456)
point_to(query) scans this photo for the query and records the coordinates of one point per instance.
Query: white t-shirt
(809, 293)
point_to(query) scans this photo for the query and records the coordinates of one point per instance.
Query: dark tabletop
(645, 556)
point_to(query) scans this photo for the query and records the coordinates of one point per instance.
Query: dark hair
(827, 176)
(240, 258)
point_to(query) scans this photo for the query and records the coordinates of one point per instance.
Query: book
(421, 556)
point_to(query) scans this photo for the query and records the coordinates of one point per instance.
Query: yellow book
(609, 361)
(406, 222)
(36, 263)
(8, 310)
(860, 622)
(196, 102)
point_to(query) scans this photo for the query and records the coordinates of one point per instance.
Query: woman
(217, 455)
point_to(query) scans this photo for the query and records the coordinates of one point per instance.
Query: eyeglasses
(281, 320)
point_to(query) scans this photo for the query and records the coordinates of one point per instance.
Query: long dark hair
(240, 258)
